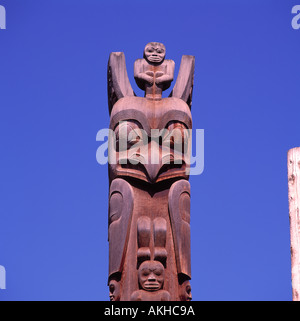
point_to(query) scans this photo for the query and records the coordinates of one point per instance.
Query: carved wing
(118, 84)
(183, 88)
(120, 213)
(179, 208)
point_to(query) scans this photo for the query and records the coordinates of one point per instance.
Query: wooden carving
(149, 198)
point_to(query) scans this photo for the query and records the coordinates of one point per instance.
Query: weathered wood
(118, 84)
(294, 208)
(183, 88)
(149, 209)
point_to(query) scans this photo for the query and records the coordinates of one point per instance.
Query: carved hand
(146, 77)
(149, 79)
(163, 78)
(150, 73)
(159, 74)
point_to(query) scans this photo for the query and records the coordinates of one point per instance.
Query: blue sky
(54, 195)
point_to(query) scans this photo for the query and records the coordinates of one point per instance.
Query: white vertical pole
(294, 214)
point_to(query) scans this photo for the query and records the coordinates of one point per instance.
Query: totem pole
(149, 195)
(294, 210)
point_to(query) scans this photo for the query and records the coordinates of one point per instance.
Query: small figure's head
(185, 293)
(151, 275)
(155, 52)
(114, 290)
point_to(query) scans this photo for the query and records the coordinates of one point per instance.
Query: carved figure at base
(151, 275)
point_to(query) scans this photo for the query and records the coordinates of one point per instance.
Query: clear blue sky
(54, 195)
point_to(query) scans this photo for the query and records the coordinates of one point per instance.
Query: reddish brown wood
(294, 215)
(149, 205)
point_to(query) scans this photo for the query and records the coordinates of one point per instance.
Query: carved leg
(143, 232)
(160, 235)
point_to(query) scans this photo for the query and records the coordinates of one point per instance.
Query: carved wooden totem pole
(149, 196)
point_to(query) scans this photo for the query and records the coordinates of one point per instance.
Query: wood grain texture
(294, 206)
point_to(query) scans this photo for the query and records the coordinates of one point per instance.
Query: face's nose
(152, 171)
(154, 161)
(151, 277)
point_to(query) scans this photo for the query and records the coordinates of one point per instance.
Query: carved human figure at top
(153, 73)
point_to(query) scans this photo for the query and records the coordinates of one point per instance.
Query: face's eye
(146, 273)
(134, 136)
(177, 137)
(128, 133)
(158, 272)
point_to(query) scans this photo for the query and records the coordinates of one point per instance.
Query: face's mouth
(154, 58)
(152, 286)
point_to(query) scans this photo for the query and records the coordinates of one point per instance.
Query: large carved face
(151, 275)
(152, 141)
(155, 52)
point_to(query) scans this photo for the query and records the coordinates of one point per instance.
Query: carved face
(155, 52)
(114, 290)
(152, 143)
(151, 275)
(185, 291)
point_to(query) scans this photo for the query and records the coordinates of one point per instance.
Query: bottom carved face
(151, 275)
(114, 290)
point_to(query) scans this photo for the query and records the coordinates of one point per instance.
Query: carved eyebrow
(134, 124)
(176, 124)
(180, 117)
(129, 115)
